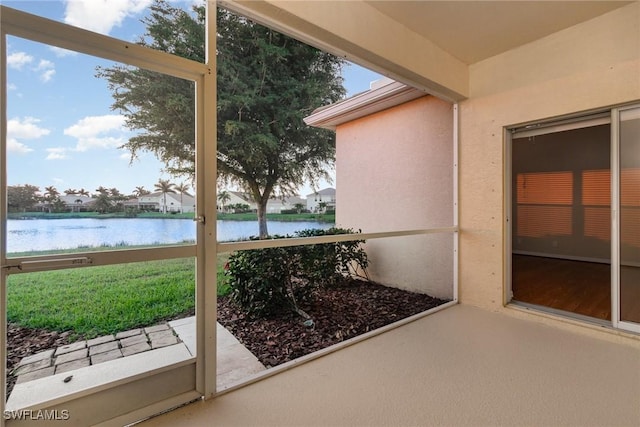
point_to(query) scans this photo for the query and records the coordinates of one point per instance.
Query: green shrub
(265, 282)
(329, 263)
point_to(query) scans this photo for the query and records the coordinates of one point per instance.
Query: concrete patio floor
(460, 366)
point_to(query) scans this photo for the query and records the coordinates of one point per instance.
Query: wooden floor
(577, 287)
(574, 286)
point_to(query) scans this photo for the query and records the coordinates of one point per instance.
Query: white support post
(206, 172)
(615, 217)
(456, 203)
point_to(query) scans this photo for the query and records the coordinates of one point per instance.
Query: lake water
(44, 234)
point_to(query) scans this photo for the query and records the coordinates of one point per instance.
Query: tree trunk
(262, 218)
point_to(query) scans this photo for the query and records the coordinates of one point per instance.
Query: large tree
(267, 83)
(21, 198)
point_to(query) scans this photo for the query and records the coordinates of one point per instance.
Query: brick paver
(71, 347)
(162, 338)
(102, 348)
(68, 357)
(40, 373)
(137, 339)
(39, 364)
(135, 349)
(156, 328)
(72, 366)
(105, 357)
(129, 333)
(36, 357)
(100, 340)
(98, 350)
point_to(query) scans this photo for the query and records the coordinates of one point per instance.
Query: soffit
(475, 30)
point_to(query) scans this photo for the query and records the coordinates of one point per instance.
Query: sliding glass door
(574, 217)
(629, 218)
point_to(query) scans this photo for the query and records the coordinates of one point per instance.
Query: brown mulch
(22, 342)
(338, 313)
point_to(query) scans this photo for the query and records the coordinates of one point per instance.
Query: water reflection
(72, 233)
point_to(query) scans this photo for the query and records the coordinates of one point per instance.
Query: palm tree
(223, 198)
(140, 191)
(182, 188)
(102, 190)
(51, 194)
(164, 186)
(70, 192)
(82, 192)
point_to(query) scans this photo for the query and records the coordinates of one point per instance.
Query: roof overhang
(363, 104)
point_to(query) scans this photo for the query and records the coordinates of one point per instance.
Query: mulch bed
(338, 313)
(22, 342)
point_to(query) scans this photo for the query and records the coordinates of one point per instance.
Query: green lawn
(95, 301)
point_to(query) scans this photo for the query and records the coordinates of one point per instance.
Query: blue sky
(61, 130)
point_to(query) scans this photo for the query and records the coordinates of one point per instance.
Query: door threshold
(563, 313)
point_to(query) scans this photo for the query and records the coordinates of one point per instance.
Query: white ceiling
(482, 29)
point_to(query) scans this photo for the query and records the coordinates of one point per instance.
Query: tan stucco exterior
(394, 171)
(588, 66)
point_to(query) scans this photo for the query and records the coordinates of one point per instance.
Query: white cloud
(11, 86)
(13, 146)
(85, 144)
(98, 132)
(18, 60)
(45, 64)
(101, 15)
(58, 153)
(47, 75)
(25, 128)
(47, 70)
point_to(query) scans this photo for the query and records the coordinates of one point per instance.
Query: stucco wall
(591, 65)
(394, 171)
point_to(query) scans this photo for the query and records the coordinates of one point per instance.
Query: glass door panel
(630, 215)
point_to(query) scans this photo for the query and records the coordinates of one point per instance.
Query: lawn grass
(102, 300)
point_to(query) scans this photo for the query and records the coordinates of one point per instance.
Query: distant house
(131, 203)
(238, 198)
(277, 204)
(174, 202)
(326, 196)
(274, 205)
(77, 203)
